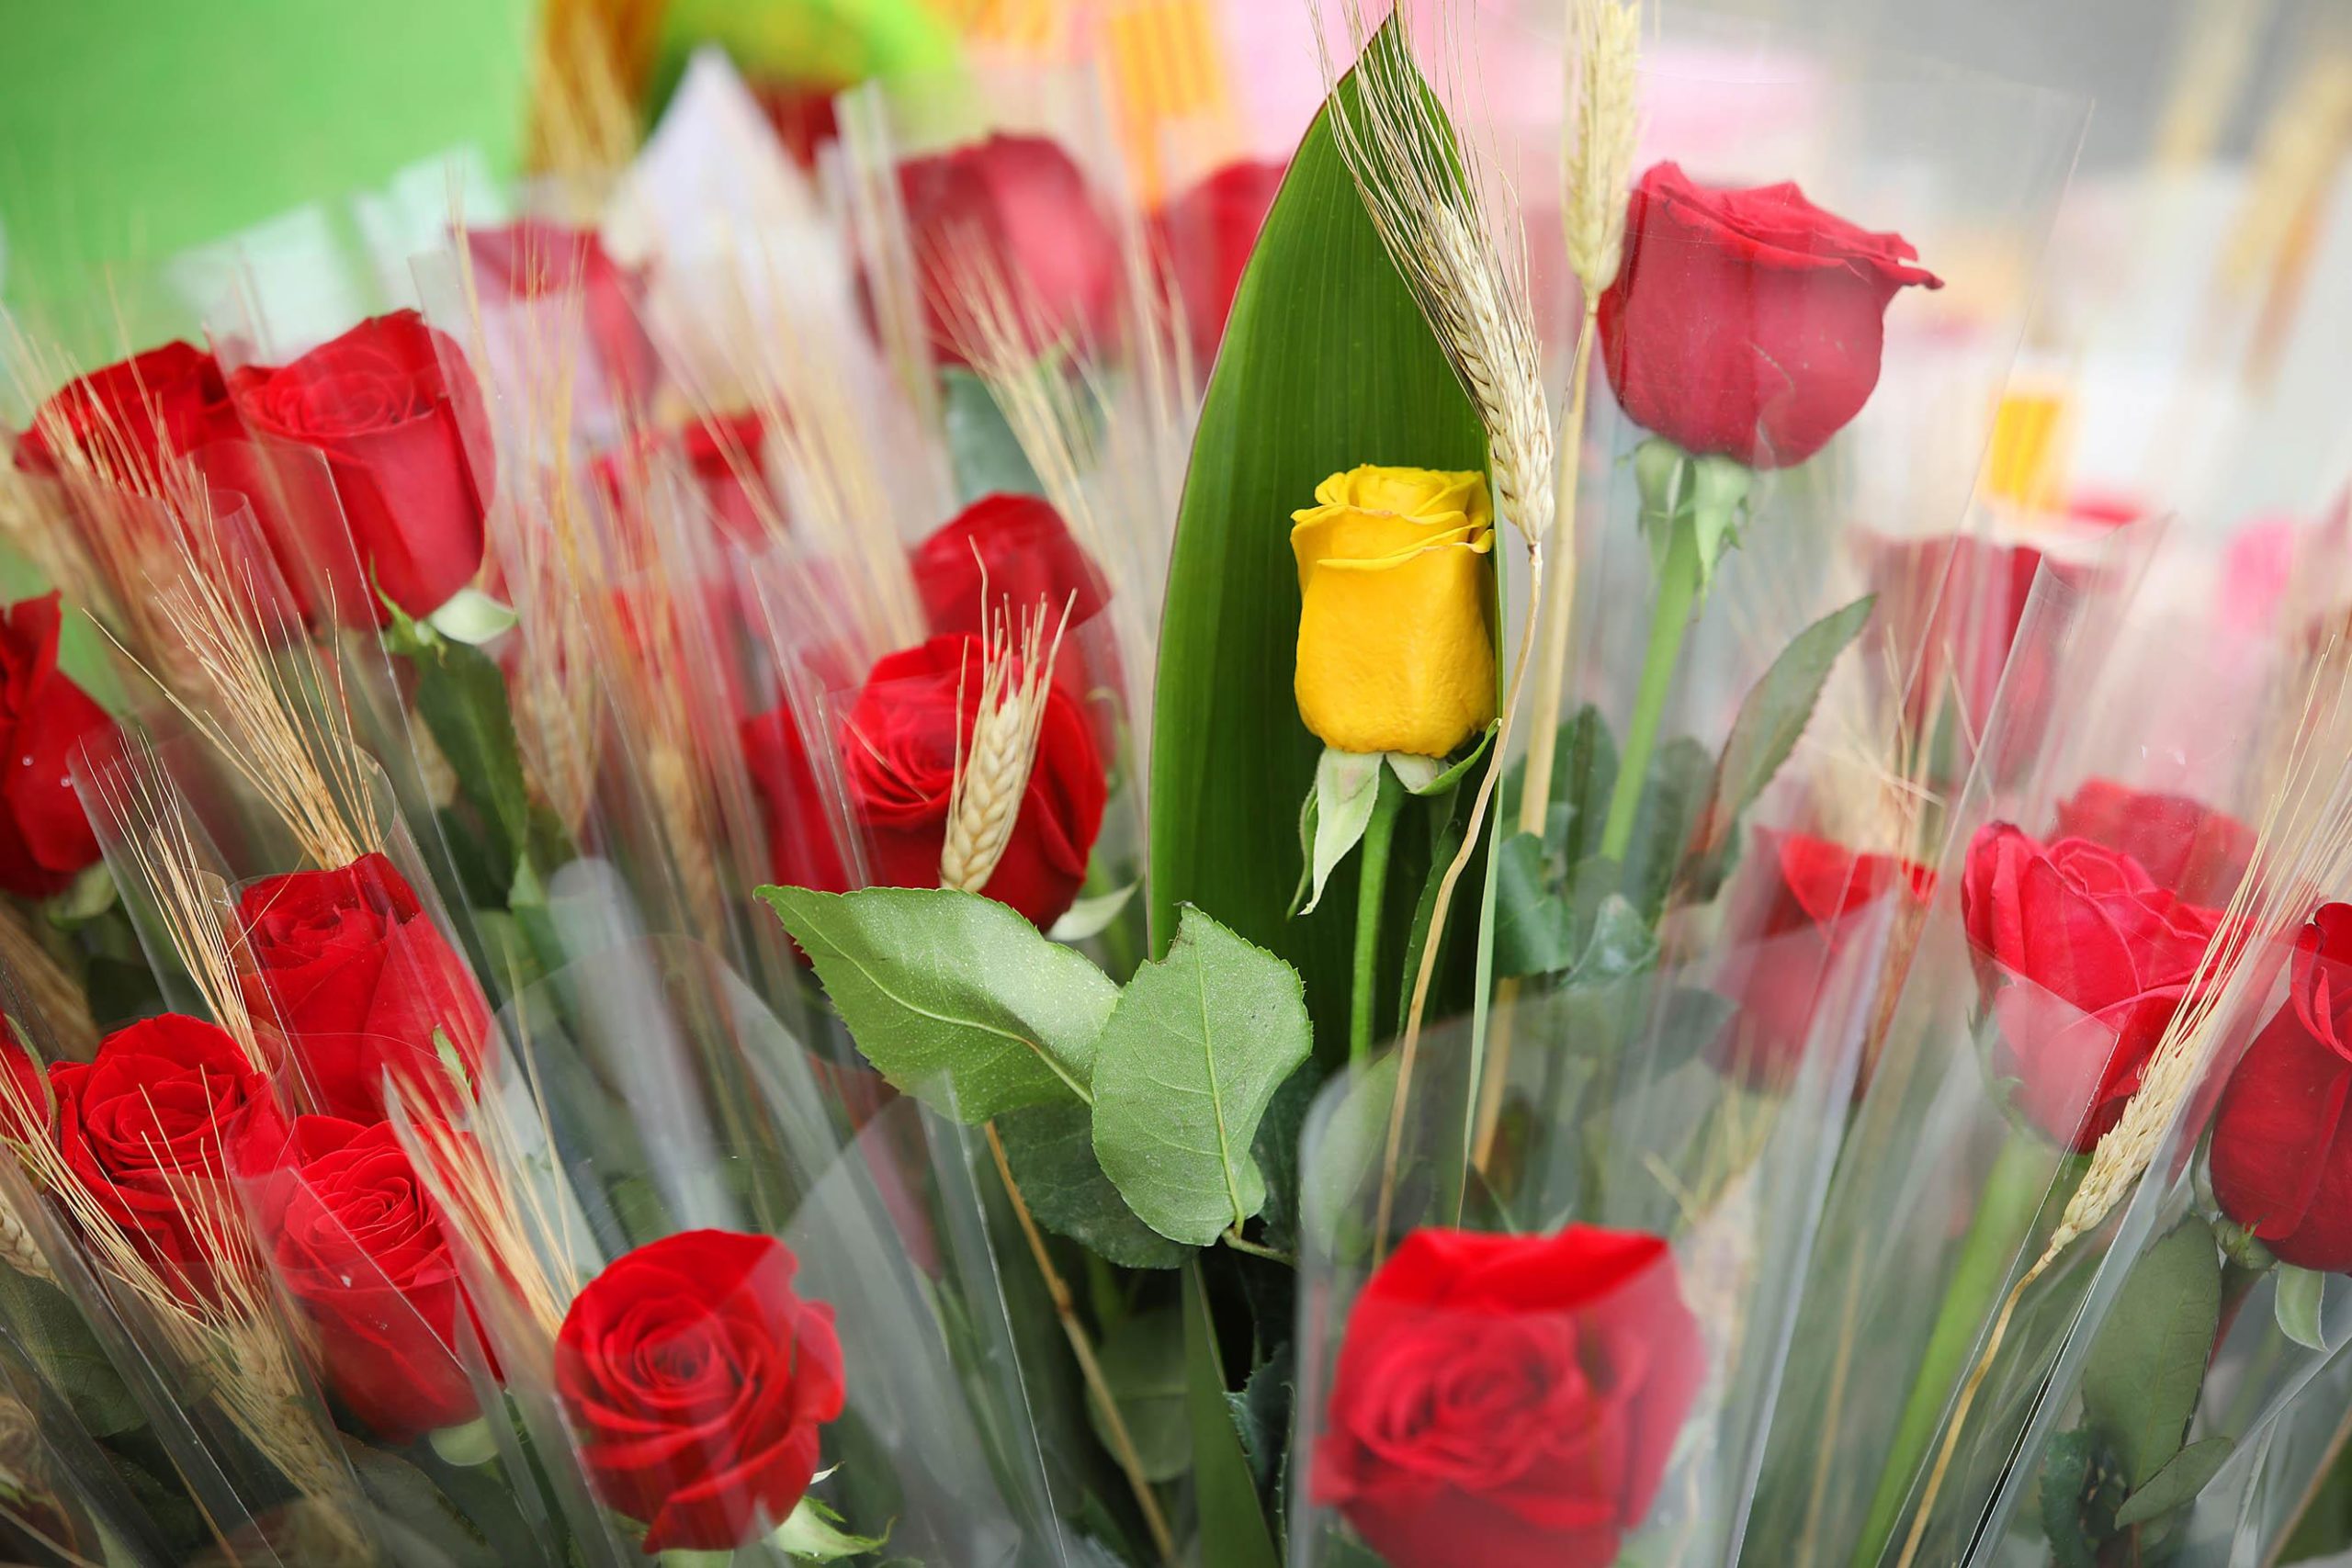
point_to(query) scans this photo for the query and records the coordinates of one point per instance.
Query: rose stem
(1677, 588)
(2004, 1214)
(1372, 891)
(1123, 1443)
(1544, 707)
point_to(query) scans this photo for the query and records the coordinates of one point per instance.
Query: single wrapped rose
(393, 410)
(1747, 324)
(346, 966)
(1509, 1400)
(127, 419)
(1205, 236)
(695, 1379)
(1019, 207)
(147, 1126)
(899, 748)
(45, 721)
(2082, 960)
(560, 280)
(1395, 628)
(2189, 848)
(2281, 1149)
(1808, 899)
(357, 1241)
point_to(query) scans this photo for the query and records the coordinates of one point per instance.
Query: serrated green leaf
(1196, 1048)
(1674, 804)
(2141, 1380)
(1051, 1151)
(2177, 1484)
(982, 452)
(1774, 713)
(2296, 1304)
(1143, 1363)
(955, 998)
(1584, 770)
(58, 1337)
(1232, 1527)
(1326, 363)
(1533, 934)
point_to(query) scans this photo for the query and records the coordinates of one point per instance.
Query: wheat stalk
(992, 772)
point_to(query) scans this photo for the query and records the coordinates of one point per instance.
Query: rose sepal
(1706, 494)
(811, 1533)
(1338, 805)
(465, 1445)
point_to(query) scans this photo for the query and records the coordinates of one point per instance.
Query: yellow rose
(1395, 648)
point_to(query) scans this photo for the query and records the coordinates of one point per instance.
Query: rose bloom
(532, 262)
(1021, 550)
(148, 1125)
(1747, 322)
(1018, 204)
(899, 748)
(45, 720)
(2082, 960)
(2187, 847)
(1206, 237)
(129, 418)
(357, 1241)
(393, 409)
(1396, 634)
(804, 851)
(1509, 1400)
(1958, 599)
(1808, 901)
(347, 967)
(695, 1379)
(2281, 1154)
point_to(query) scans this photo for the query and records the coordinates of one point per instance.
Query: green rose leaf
(955, 998)
(982, 451)
(1143, 1363)
(1192, 1053)
(1534, 934)
(2141, 1382)
(1774, 713)
(2177, 1484)
(55, 1333)
(1051, 1151)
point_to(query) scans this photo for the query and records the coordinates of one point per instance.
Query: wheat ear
(992, 771)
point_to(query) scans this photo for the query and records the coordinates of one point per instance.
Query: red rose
(1205, 236)
(2082, 960)
(1509, 1400)
(45, 718)
(1810, 895)
(898, 752)
(532, 260)
(1957, 599)
(2281, 1159)
(1020, 206)
(711, 448)
(2191, 849)
(348, 967)
(804, 851)
(129, 418)
(24, 1094)
(695, 1381)
(1747, 322)
(1019, 547)
(147, 1126)
(358, 1243)
(392, 407)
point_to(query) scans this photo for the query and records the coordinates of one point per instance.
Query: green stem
(1677, 588)
(1372, 893)
(2004, 1216)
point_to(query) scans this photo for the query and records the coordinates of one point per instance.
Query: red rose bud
(1509, 1400)
(1018, 547)
(1018, 207)
(532, 260)
(127, 419)
(148, 1126)
(1958, 600)
(45, 720)
(393, 409)
(710, 449)
(803, 848)
(695, 1379)
(1205, 238)
(2190, 848)
(2282, 1159)
(1810, 898)
(25, 1112)
(348, 967)
(2082, 960)
(899, 753)
(358, 1243)
(1747, 322)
